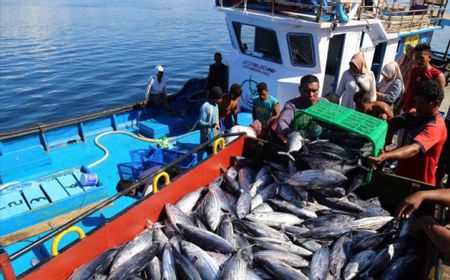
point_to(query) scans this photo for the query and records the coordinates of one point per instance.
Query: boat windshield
(257, 41)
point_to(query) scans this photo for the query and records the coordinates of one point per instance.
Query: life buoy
(342, 16)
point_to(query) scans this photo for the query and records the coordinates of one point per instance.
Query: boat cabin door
(378, 58)
(334, 57)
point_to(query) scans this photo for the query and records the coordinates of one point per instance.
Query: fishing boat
(44, 169)
(127, 224)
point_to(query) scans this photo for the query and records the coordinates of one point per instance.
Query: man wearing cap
(156, 91)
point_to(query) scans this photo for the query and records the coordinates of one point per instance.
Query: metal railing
(395, 18)
(397, 21)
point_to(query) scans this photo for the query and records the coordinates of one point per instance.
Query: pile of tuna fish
(270, 221)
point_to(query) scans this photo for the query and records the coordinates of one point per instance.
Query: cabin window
(301, 49)
(257, 41)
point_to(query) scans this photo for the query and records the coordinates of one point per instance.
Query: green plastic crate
(368, 127)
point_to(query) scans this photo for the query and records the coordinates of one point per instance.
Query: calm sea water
(65, 58)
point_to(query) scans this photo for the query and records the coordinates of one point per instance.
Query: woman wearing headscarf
(406, 63)
(357, 77)
(156, 90)
(391, 86)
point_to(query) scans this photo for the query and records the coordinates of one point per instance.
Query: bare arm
(388, 111)
(413, 201)
(441, 81)
(404, 152)
(438, 234)
(235, 114)
(276, 114)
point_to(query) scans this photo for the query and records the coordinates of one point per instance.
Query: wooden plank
(70, 184)
(44, 226)
(14, 203)
(35, 197)
(54, 190)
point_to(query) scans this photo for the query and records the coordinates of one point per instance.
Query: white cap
(159, 68)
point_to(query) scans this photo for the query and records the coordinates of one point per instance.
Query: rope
(2, 187)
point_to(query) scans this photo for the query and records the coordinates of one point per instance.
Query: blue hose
(341, 15)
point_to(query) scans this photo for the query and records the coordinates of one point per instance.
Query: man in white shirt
(156, 91)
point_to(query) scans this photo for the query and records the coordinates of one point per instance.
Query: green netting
(368, 127)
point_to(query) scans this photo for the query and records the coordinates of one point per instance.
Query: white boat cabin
(278, 42)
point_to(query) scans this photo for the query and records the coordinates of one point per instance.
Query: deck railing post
(319, 12)
(273, 7)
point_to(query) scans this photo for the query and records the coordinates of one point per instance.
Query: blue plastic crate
(140, 156)
(165, 156)
(129, 170)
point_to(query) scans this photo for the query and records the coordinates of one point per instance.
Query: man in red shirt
(419, 74)
(425, 136)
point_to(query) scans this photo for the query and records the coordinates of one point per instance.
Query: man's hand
(375, 161)
(409, 205)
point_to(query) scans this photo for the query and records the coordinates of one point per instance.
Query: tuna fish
(263, 177)
(328, 220)
(316, 178)
(399, 267)
(226, 230)
(370, 223)
(205, 265)
(340, 252)
(386, 256)
(320, 264)
(168, 264)
(358, 264)
(274, 219)
(262, 208)
(212, 212)
(140, 243)
(188, 202)
(176, 216)
(246, 177)
(259, 230)
(153, 269)
(136, 263)
(187, 269)
(325, 232)
(280, 270)
(288, 258)
(295, 143)
(290, 208)
(99, 265)
(235, 269)
(243, 205)
(206, 240)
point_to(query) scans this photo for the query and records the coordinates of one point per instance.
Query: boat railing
(396, 18)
